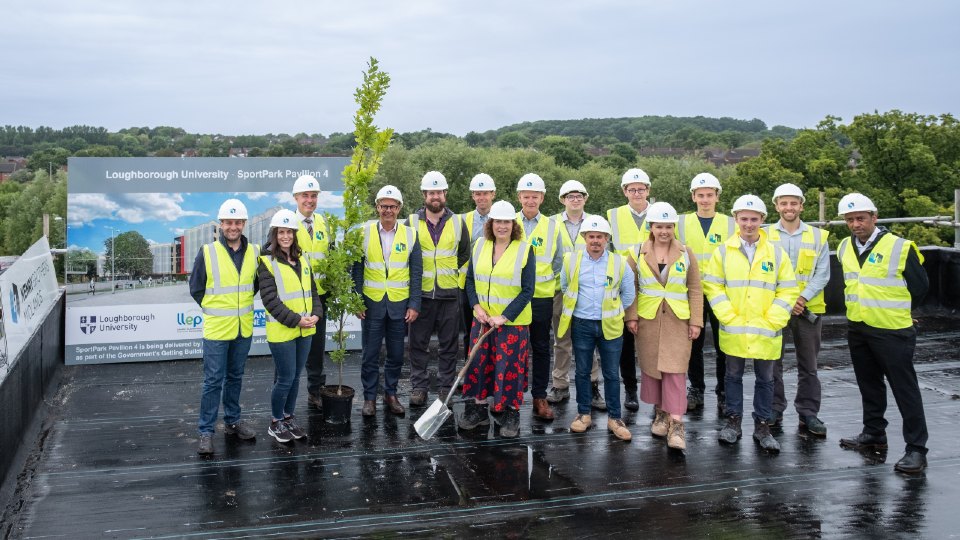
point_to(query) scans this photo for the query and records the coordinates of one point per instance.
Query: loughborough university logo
(88, 325)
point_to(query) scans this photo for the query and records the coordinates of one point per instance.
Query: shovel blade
(432, 420)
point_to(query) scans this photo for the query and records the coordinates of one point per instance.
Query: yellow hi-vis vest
(625, 235)
(439, 260)
(391, 277)
(690, 234)
(295, 292)
(316, 247)
(227, 303)
(751, 301)
(545, 239)
(467, 220)
(652, 293)
(611, 309)
(876, 294)
(570, 244)
(497, 285)
(812, 240)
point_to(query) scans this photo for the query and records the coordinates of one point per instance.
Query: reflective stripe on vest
(611, 308)
(390, 278)
(439, 261)
(877, 294)
(812, 240)
(498, 285)
(545, 242)
(652, 293)
(690, 234)
(315, 248)
(625, 235)
(228, 312)
(296, 294)
(570, 244)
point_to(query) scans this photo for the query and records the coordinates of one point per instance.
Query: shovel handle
(473, 354)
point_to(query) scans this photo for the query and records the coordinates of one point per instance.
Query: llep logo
(88, 325)
(190, 320)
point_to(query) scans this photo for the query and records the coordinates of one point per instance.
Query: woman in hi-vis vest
(670, 311)
(290, 298)
(501, 276)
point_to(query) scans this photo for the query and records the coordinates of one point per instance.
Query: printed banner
(133, 303)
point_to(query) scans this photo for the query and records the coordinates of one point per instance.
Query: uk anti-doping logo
(88, 325)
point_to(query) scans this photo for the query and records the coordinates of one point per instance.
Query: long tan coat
(662, 343)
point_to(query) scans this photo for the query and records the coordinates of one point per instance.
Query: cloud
(87, 207)
(285, 198)
(252, 195)
(140, 207)
(177, 231)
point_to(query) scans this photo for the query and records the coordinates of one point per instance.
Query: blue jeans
(223, 363)
(762, 388)
(374, 330)
(587, 336)
(289, 357)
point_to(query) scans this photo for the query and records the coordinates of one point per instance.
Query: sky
(245, 67)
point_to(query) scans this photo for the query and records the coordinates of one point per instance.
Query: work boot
(631, 403)
(676, 435)
(619, 429)
(864, 441)
(558, 395)
(240, 430)
(661, 422)
(776, 421)
(418, 398)
(393, 405)
(206, 444)
(510, 425)
(911, 463)
(369, 407)
(814, 426)
(474, 414)
(581, 423)
(597, 402)
(542, 409)
(694, 399)
(761, 434)
(731, 432)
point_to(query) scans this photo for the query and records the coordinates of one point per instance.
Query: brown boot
(661, 423)
(393, 405)
(369, 408)
(676, 436)
(542, 409)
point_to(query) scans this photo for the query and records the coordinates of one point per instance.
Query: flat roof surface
(119, 461)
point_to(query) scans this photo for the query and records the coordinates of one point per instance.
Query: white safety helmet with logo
(749, 202)
(232, 209)
(662, 212)
(705, 180)
(571, 186)
(788, 190)
(432, 181)
(482, 182)
(633, 176)
(285, 219)
(389, 192)
(595, 224)
(855, 202)
(306, 183)
(531, 182)
(502, 210)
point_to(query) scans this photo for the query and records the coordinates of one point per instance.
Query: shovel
(430, 422)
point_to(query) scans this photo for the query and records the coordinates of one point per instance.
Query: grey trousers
(442, 317)
(806, 339)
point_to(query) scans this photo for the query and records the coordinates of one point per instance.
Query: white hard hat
(789, 190)
(750, 202)
(705, 180)
(571, 186)
(433, 180)
(306, 183)
(286, 219)
(482, 182)
(502, 210)
(389, 192)
(531, 182)
(232, 209)
(661, 212)
(855, 202)
(632, 176)
(595, 224)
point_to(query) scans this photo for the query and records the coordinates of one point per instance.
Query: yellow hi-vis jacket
(440, 268)
(467, 220)
(315, 247)
(652, 292)
(570, 244)
(545, 239)
(296, 293)
(876, 294)
(392, 277)
(625, 235)
(690, 234)
(812, 240)
(751, 301)
(227, 303)
(611, 309)
(497, 285)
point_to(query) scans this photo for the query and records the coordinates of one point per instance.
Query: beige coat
(662, 343)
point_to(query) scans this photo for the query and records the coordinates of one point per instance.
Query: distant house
(667, 151)
(189, 152)
(238, 152)
(730, 157)
(7, 169)
(20, 161)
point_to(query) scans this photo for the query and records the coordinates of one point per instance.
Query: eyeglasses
(574, 197)
(389, 207)
(637, 191)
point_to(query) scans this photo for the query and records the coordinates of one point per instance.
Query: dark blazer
(386, 308)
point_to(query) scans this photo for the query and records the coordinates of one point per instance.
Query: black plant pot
(337, 407)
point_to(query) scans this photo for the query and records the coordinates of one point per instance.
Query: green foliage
(565, 151)
(133, 256)
(82, 260)
(23, 206)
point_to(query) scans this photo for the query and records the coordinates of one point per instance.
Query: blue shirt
(790, 242)
(592, 282)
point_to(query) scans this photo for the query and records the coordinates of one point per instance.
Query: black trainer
(510, 423)
(694, 399)
(631, 403)
(278, 430)
(294, 429)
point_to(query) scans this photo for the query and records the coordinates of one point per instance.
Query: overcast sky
(244, 67)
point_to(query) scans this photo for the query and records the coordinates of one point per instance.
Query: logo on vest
(766, 266)
(679, 266)
(318, 235)
(714, 238)
(875, 257)
(537, 241)
(609, 281)
(400, 247)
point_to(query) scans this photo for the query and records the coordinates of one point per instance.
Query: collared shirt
(573, 228)
(308, 220)
(863, 247)
(529, 225)
(479, 220)
(790, 241)
(748, 249)
(592, 283)
(386, 240)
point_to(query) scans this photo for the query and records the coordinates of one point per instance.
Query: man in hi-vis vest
(810, 254)
(389, 279)
(482, 190)
(224, 282)
(884, 278)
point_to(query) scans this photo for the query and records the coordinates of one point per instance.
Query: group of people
(598, 294)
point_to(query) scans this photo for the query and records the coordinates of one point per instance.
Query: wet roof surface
(119, 460)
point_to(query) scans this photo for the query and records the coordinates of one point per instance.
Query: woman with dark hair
(501, 276)
(289, 295)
